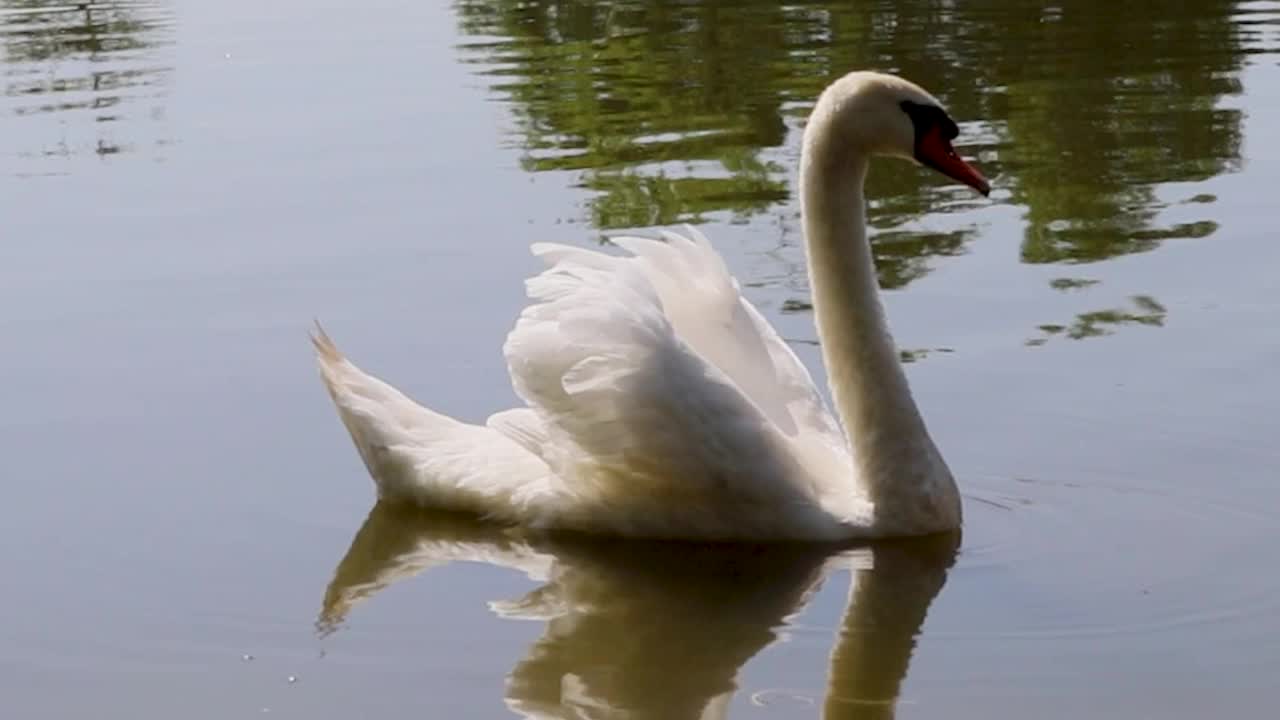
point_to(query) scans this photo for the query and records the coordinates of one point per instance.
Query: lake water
(186, 530)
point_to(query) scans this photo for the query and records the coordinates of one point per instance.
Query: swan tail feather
(325, 348)
(418, 455)
(379, 418)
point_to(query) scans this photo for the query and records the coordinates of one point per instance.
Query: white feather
(639, 420)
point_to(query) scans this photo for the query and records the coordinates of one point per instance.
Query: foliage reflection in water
(82, 78)
(661, 630)
(673, 112)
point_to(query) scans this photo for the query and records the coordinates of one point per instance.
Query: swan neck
(897, 463)
(863, 367)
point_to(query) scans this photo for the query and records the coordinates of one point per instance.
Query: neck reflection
(661, 630)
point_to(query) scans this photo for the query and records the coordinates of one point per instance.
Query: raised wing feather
(705, 306)
(656, 382)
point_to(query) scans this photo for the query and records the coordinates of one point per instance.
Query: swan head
(871, 113)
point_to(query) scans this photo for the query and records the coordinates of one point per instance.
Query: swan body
(660, 402)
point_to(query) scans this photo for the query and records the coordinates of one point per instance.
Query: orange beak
(935, 151)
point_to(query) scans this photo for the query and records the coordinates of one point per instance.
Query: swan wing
(707, 309)
(651, 377)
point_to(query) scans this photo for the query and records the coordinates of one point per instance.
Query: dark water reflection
(87, 78)
(660, 630)
(1143, 310)
(670, 112)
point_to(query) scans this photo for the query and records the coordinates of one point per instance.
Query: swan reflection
(660, 630)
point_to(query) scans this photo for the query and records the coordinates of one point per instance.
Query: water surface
(187, 530)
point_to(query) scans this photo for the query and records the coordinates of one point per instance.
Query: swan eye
(926, 117)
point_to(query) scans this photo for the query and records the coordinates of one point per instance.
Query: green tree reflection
(664, 107)
(672, 110)
(84, 61)
(1146, 310)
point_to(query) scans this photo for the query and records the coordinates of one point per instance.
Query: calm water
(186, 528)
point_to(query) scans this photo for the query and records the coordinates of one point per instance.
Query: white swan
(660, 401)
